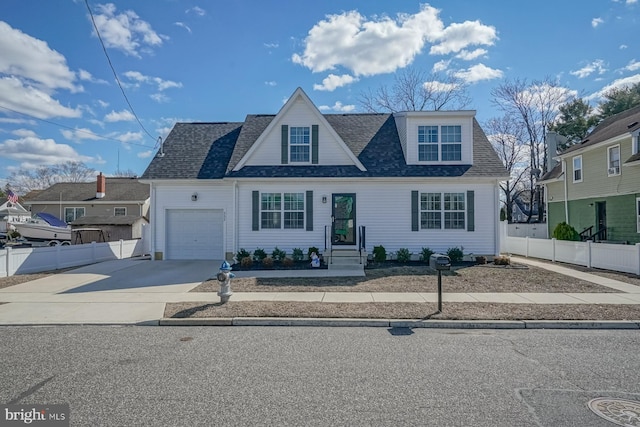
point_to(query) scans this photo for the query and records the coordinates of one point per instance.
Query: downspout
(236, 219)
(496, 215)
(566, 202)
(153, 221)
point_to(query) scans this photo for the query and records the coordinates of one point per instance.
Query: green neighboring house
(595, 185)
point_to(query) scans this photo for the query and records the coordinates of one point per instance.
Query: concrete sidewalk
(135, 292)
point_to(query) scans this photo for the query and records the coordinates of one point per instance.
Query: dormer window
(299, 144)
(448, 147)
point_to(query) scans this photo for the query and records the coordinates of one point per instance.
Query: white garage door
(195, 234)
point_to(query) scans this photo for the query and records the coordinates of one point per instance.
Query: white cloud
(86, 76)
(26, 99)
(478, 73)
(632, 1)
(128, 137)
(17, 121)
(33, 60)
(121, 116)
(382, 45)
(633, 65)
(332, 82)
(596, 21)
(623, 46)
(470, 55)
(103, 104)
(33, 151)
(182, 25)
(270, 83)
(145, 154)
(271, 45)
(441, 66)
(596, 66)
(458, 36)
(125, 31)
(161, 84)
(616, 84)
(160, 98)
(78, 134)
(547, 91)
(338, 106)
(197, 10)
(24, 133)
(434, 86)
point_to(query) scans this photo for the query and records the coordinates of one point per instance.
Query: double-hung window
(577, 169)
(439, 143)
(442, 211)
(428, 143)
(119, 211)
(451, 143)
(71, 214)
(613, 155)
(282, 210)
(299, 144)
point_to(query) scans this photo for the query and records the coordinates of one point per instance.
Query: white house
(301, 178)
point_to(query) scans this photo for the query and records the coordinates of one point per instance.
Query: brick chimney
(102, 186)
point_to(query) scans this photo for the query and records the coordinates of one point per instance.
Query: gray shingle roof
(619, 124)
(212, 150)
(116, 189)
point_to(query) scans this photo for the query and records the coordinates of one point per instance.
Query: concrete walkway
(136, 291)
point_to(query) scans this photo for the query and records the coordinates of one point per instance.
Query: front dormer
(436, 137)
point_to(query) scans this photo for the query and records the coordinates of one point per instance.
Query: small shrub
(287, 262)
(403, 255)
(379, 254)
(564, 231)
(455, 254)
(311, 250)
(259, 254)
(246, 262)
(502, 260)
(481, 260)
(425, 254)
(297, 254)
(278, 254)
(242, 254)
(267, 262)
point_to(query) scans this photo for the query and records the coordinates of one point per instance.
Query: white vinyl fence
(624, 258)
(537, 230)
(35, 260)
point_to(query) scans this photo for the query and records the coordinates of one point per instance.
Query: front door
(343, 216)
(601, 219)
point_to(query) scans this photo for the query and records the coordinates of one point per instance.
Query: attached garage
(195, 234)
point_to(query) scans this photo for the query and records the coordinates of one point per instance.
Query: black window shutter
(314, 144)
(255, 208)
(309, 211)
(471, 224)
(415, 213)
(285, 145)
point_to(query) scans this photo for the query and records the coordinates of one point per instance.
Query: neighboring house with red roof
(339, 182)
(595, 187)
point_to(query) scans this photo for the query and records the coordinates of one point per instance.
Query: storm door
(343, 216)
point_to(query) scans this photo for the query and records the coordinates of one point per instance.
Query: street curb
(404, 323)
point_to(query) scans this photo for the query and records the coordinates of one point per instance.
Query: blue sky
(217, 61)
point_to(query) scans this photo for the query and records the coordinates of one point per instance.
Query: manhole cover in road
(618, 411)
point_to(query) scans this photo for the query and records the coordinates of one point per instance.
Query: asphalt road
(219, 376)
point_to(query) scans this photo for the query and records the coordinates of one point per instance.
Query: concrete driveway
(121, 291)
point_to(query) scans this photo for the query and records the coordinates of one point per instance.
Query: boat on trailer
(44, 227)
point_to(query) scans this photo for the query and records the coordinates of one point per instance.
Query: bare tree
(535, 106)
(129, 173)
(414, 90)
(43, 177)
(507, 138)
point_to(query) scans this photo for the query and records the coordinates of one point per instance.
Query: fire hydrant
(224, 277)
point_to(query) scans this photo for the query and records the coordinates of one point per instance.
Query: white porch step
(345, 259)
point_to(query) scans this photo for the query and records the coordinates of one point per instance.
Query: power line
(73, 129)
(86, 2)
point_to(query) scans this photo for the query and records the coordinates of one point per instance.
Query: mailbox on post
(440, 262)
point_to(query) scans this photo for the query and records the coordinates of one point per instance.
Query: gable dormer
(299, 135)
(436, 137)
